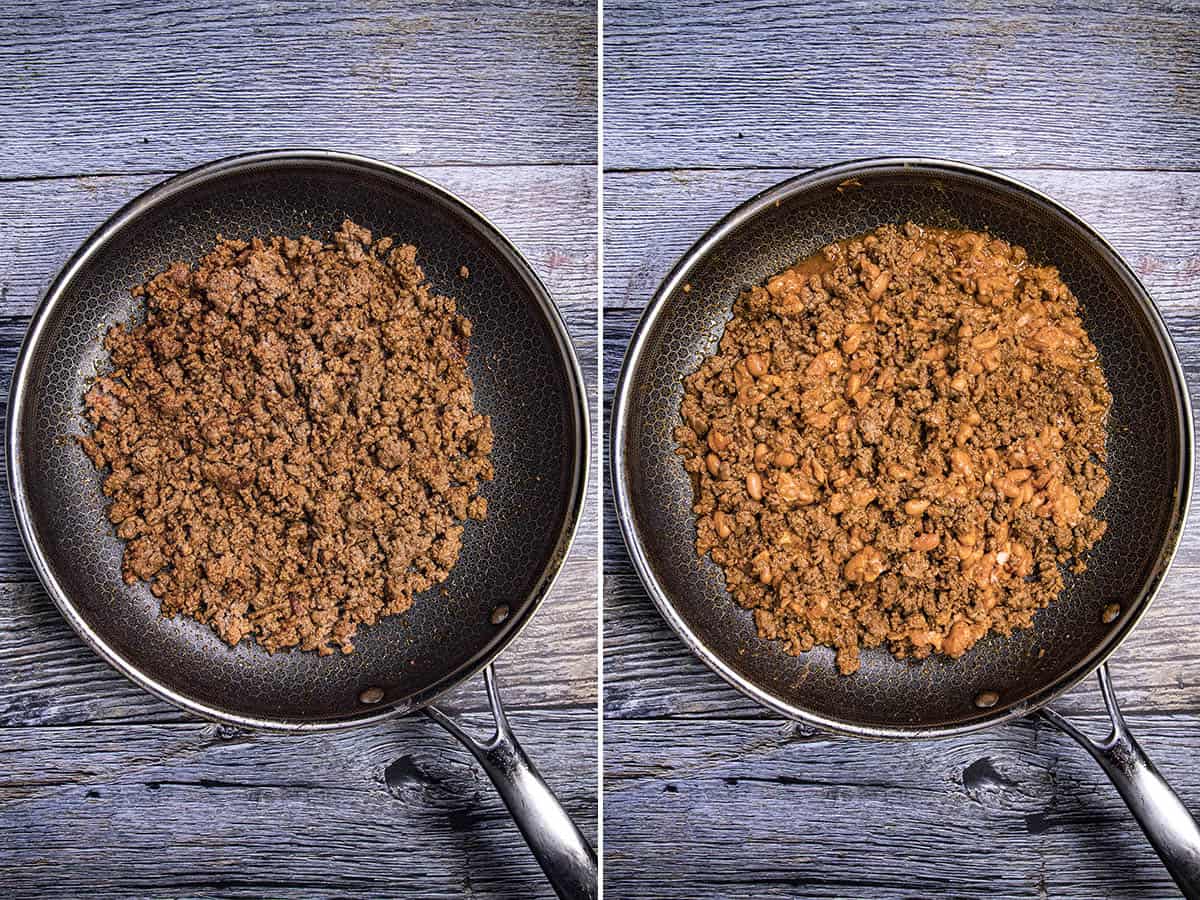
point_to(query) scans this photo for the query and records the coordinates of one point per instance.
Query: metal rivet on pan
(371, 695)
(987, 699)
(500, 613)
(1110, 613)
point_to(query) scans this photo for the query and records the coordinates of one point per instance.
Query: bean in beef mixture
(900, 440)
(289, 438)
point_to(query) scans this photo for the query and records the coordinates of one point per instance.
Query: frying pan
(1150, 463)
(526, 377)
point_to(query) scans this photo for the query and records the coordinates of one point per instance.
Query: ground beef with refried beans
(900, 441)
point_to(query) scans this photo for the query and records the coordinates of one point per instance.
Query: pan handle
(1163, 817)
(561, 849)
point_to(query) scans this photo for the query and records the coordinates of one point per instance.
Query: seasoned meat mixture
(900, 440)
(289, 438)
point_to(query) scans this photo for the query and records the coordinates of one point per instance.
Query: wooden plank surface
(397, 809)
(107, 791)
(117, 86)
(705, 105)
(1144, 215)
(766, 809)
(1098, 85)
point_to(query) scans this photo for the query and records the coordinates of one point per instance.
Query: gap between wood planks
(410, 166)
(959, 816)
(798, 167)
(230, 732)
(806, 166)
(362, 800)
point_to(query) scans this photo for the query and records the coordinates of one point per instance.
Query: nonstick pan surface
(526, 378)
(1150, 452)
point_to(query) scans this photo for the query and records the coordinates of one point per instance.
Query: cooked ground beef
(289, 438)
(901, 439)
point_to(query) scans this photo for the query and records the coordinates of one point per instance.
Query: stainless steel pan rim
(162, 193)
(622, 489)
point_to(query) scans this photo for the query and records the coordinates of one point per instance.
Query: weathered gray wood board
(1091, 85)
(651, 218)
(766, 809)
(124, 87)
(107, 791)
(704, 107)
(183, 810)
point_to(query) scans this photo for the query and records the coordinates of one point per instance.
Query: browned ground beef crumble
(289, 438)
(900, 440)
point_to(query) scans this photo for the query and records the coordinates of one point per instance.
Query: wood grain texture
(1100, 85)
(394, 809)
(767, 809)
(120, 87)
(107, 791)
(652, 218)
